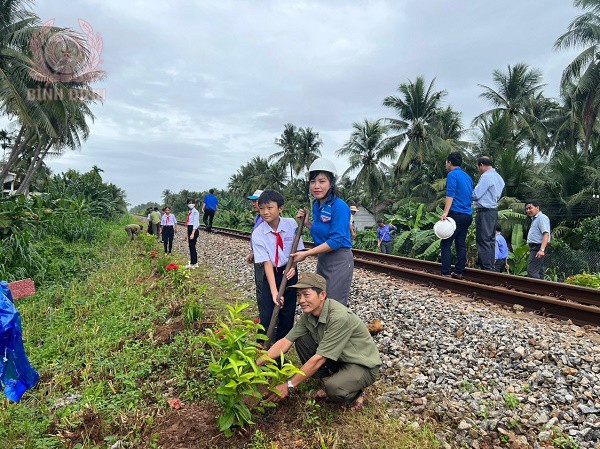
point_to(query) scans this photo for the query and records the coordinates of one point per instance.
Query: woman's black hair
(191, 201)
(332, 193)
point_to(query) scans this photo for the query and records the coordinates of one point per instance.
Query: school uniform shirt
(459, 187)
(540, 224)
(210, 202)
(193, 218)
(265, 242)
(330, 224)
(501, 247)
(168, 220)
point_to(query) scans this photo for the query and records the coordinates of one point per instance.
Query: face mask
(190, 206)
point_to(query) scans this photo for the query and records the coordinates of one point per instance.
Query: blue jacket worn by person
(16, 373)
(330, 224)
(459, 186)
(210, 201)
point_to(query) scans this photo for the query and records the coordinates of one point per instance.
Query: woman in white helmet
(330, 231)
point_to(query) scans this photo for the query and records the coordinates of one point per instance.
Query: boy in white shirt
(272, 244)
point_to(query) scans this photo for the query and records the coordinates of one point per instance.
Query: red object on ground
(21, 289)
(172, 266)
(153, 254)
(175, 403)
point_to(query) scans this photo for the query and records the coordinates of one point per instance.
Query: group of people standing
(164, 226)
(492, 250)
(331, 341)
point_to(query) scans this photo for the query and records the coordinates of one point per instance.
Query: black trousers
(463, 221)
(192, 244)
(485, 237)
(168, 233)
(286, 313)
(208, 217)
(535, 266)
(500, 265)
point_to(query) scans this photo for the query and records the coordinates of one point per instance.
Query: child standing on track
(272, 244)
(168, 225)
(193, 224)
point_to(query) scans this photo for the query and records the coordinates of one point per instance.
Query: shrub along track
(579, 304)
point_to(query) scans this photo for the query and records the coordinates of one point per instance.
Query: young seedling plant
(236, 346)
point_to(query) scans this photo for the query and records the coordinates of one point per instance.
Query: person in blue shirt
(459, 192)
(210, 205)
(501, 252)
(486, 194)
(259, 268)
(330, 231)
(384, 236)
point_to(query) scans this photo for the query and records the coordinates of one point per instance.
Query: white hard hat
(444, 229)
(322, 164)
(255, 195)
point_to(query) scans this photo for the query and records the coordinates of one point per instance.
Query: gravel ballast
(487, 374)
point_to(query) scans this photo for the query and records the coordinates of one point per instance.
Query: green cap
(311, 280)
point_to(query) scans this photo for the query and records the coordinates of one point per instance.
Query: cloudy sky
(196, 88)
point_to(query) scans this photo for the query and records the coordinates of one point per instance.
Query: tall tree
(584, 70)
(512, 94)
(288, 142)
(367, 150)
(417, 107)
(309, 148)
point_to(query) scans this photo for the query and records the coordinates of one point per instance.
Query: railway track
(581, 305)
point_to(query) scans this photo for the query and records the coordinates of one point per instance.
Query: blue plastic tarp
(16, 373)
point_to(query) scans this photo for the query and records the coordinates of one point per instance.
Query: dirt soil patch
(166, 333)
(194, 426)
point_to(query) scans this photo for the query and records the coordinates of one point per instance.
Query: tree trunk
(14, 155)
(36, 163)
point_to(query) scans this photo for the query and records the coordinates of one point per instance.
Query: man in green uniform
(155, 219)
(333, 344)
(132, 230)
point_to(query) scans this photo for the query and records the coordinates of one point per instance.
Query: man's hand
(250, 258)
(283, 392)
(540, 254)
(444, 216)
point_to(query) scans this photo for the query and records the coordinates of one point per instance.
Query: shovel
(283, 284)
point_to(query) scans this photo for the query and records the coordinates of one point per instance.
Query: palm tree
(366, 150)
(288, 142)
(512, 95)
(417, 107)
(309, 148)
(584, 70)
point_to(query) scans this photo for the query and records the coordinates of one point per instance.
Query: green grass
(107, 370)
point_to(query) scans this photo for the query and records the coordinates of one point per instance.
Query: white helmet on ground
(444, 229)
(322, 164)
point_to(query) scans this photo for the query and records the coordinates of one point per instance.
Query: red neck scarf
(278, 245)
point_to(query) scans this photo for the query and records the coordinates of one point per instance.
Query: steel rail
(578, 304)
